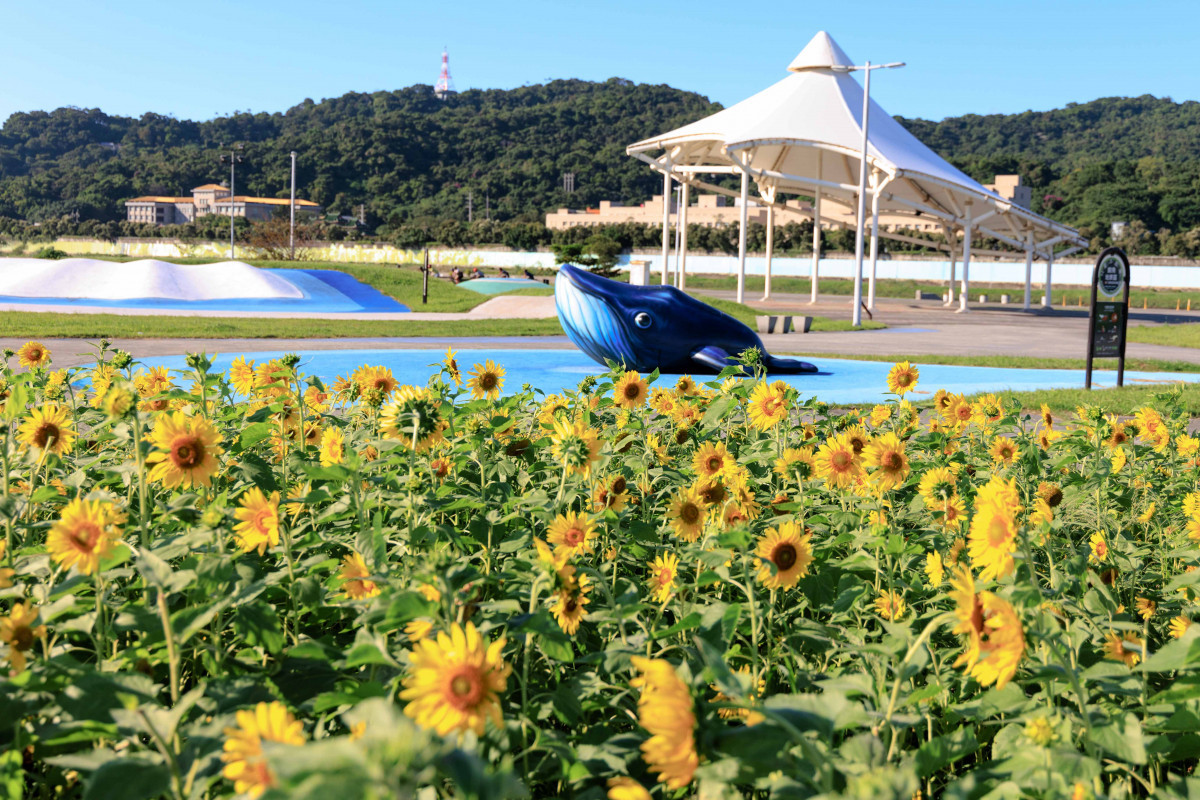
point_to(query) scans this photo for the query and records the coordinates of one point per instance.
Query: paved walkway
(915, 328)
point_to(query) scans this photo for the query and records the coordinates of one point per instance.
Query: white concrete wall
(933, 270)
(981, 271)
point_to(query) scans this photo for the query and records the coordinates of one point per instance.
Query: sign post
(1109, 311)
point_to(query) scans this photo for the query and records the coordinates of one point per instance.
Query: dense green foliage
(402, 154)
(411, 161)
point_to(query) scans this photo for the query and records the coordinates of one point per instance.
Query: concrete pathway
(916, 328)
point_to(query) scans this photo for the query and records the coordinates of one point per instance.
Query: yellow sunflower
(48, 428)
(712, 460)
(185, 451)
(33, 354)
(487, 380)
(1099, 548)
(629, 392)
(902, 378)
(610, 494)
(796, 462)
(258, 526)
(625, 788)
(886, 455)
(451, 364)
(1126, 647)
(455, 681)
(768, 404)
(666, 711)
(355, 578)
(1178, 626)
(86, 532)
(937, 485)
(783, 555)
(995, 640)
(375, 384)
(662, 577)
(837, 463)
(571, 534)
(570, 605)
(890, 605)
(242, 376)
(17, 633)
(993, 537)
(1003, 450)
(935, 570)
(413, 418)
(245, 764)
(575, 445)
(687, 514)
(333, 447)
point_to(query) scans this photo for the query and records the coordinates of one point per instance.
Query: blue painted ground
(325, 292)
(501, 285)
(840, 380)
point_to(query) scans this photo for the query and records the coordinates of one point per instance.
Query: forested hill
(405, 155)
(401, 154)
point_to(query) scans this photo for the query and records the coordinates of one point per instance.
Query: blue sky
(200, 60)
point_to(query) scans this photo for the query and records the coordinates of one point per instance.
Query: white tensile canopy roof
(803, 135)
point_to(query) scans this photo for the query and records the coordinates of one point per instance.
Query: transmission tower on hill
(444, 86)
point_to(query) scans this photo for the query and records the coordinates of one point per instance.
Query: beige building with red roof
(211, 198)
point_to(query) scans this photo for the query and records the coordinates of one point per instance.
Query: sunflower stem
(140, 462)
(172, 654)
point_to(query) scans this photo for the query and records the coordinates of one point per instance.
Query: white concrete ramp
(89, 278)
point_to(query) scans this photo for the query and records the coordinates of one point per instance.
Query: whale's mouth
(590, 321)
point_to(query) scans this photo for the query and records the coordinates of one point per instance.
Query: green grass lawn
(21, 324)
(1124, 400)
(1023, 362)
(1185, 335)
(1153, 298)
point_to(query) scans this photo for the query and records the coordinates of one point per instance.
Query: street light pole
(234, 158)
(856, 315)
(292, 210)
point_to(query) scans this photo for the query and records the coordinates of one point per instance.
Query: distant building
(714, 211)
(1117, 229)
(211, 198)
(1010, 188)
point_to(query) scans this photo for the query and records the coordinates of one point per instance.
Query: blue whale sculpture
(654, 327)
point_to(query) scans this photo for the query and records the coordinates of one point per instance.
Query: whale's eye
(642, 319)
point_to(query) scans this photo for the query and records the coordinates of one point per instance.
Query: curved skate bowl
(74, 283)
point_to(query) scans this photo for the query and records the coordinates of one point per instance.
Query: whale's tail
(788, 366)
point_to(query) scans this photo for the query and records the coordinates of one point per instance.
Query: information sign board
(1109, 311)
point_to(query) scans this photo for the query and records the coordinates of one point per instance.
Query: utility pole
(292, 210)
(234, 157)
(470, 208)
(487, 203)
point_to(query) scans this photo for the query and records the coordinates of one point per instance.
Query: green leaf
(941, 751)
(253, 434)
(12, 772)
(136, 776)
(1179, 654)
(1122, 737)
(258, 623)
(686, 624)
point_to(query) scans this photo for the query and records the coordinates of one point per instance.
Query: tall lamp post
(292, 212)
(856, 316)
(234, 158)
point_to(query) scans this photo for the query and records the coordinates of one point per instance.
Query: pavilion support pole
(963, 296)
(770, 250)
(950, 242)
(874, 248)
(816, 262)
(1028, 268)
(682, 221)
(856, 312)
(678, 227)
(743, 222)
(666, 241)
(1046, 301)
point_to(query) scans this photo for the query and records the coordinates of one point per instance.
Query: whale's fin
(712, 358)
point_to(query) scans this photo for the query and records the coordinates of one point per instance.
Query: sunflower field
(255, 584)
